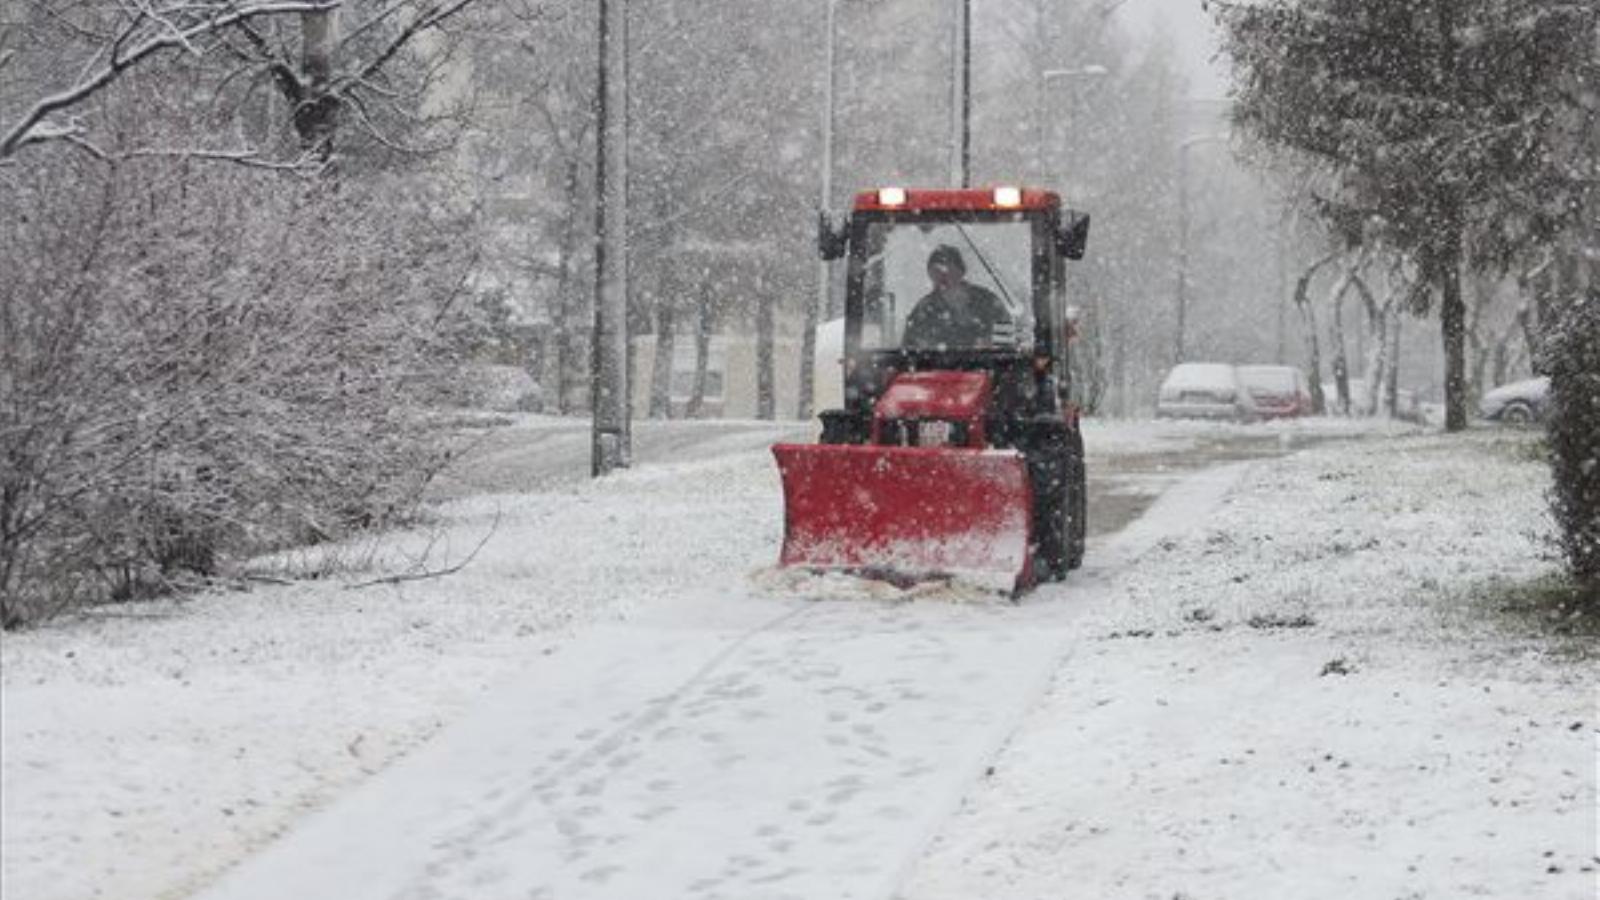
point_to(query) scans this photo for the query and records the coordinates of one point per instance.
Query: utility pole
(624, 246)
(609, 358)
(820, 302)
(966, 93)
(960, 96)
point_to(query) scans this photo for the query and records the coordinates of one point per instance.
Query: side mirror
(832, 238)
(1072, 238)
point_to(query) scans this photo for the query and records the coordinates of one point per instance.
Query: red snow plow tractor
(957, 452)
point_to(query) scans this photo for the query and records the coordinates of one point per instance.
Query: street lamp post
(1041, 118)
(966, 93)
(819, 304)
(961, 93)
(608, 397)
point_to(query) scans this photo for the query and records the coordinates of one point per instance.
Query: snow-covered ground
(1314, 693)
(1298, 690)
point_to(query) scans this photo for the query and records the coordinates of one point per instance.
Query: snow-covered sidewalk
(148, 748)
(734, 746)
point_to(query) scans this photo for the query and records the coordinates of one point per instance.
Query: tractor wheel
(1062, 525)
(1078, 529)
(1053, 503)
(1055, 543)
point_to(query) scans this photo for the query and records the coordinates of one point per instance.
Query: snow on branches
(328, 62)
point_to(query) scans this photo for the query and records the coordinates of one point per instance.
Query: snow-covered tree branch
(146, 31)
(226, 48)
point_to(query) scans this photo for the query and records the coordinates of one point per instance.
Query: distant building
(730, 391)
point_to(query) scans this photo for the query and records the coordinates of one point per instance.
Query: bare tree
(201, 363)
(343, 71)
(1302, 302)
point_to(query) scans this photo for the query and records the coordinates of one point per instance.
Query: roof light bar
(1008, 196)
(892, 196)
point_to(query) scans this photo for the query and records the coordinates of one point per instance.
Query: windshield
(948, 285)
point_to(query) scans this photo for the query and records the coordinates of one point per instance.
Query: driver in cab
(956, 314)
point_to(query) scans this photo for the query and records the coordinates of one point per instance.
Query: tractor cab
(956, 452)
(1012, 244)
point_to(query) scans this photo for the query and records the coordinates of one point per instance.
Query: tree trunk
(1502, 359)
(661, 366)
(702, 356)
(1341, 365)
(1375, 345)
(1089, 357)
(1392, 385)
(1119, 367)
(561, 321)
(1302, 302)
(568, 362)
(1319, 400)
(1530, 328)
(1377, 361)
(1477, 349)
(1453, 331)
(766, 401)
(630, 358)
(316, 112)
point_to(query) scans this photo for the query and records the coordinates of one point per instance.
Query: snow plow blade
(908, 513)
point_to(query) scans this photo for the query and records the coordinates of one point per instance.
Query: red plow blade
(908, 512)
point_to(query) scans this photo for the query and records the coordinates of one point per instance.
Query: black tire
(1060, 504)
(1051, 475)
(1518, 414)
(1054, 451)
(1078, 528)
(1053, 553)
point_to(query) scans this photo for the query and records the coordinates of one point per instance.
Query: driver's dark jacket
(962, 317)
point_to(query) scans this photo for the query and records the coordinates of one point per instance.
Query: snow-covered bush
(501, 388)
(1572, 359)
(201, 361)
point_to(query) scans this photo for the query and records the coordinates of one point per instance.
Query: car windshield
(991, 300)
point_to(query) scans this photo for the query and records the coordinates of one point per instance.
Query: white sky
(1193, 32)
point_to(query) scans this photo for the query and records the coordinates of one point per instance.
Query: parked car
(1517, 403)
(1276, 392)
(1202, 391)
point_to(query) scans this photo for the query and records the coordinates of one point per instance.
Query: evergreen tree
(1437, 118)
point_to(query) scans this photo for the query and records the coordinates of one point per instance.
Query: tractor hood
(951, 396)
